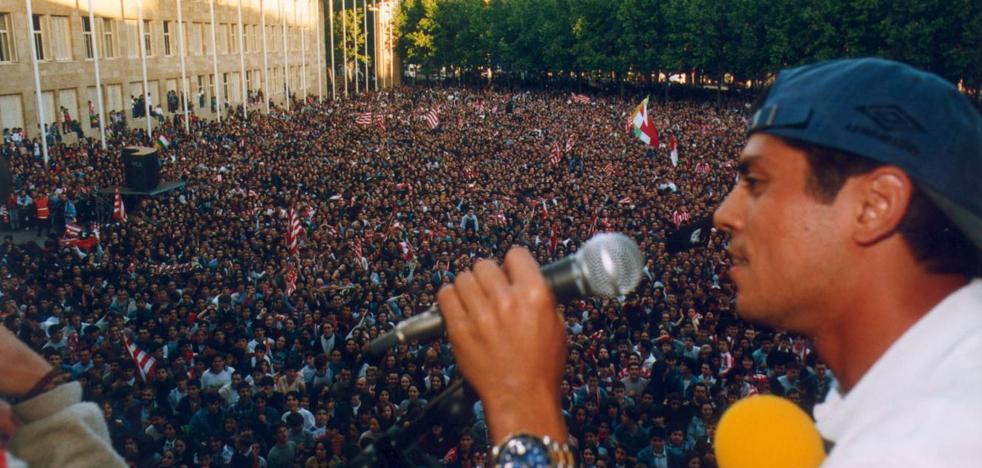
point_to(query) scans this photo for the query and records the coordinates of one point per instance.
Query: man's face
(781, 234)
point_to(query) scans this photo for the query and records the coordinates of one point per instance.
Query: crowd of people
(256, 345)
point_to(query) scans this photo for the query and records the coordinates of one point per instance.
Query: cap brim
(969, 223)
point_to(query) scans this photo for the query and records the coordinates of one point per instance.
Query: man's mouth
(736, 259)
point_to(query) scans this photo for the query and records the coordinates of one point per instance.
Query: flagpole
(303, 49)
(143, 66)
(392, 52)
(242, 74)
(214, 62)
(344, 44)
(330, 26)
(354, 40)
(286, 60)
(320, 56)
(98, 78)
(265, 84)
(364, 7)
(37, 82)
(375, 39)
(184, 72)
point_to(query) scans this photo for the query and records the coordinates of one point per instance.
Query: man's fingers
(470, 293)
(494, 282)
(523, 271)
(455, 318)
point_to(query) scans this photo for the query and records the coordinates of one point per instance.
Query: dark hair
(934, 239)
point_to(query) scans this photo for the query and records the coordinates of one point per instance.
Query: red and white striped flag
(680, 216)
(369, 118)
(72, 230)
(143, 360)
(293, 232)
(433, 117)
(291, 279)
(555, 154)
(119, 209)
(356, 247)
(569, 143)
(407, 251)
(581, 99)
(405, 186)
(609, 169)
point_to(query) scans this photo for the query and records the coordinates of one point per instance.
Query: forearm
(535, 412)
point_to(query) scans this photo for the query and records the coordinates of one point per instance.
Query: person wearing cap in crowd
(856, 221)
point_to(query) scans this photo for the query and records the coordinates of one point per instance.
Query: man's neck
(866, 323)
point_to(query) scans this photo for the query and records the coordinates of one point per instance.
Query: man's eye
(750, 181)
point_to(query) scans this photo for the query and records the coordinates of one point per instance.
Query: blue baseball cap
(892, 113)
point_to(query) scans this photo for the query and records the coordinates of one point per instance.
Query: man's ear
(882, 197)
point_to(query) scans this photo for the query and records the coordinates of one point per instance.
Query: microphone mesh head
(613, 264)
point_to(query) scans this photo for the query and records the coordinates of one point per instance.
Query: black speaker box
(142, 168)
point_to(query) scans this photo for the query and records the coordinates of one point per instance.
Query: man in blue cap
(857, 221)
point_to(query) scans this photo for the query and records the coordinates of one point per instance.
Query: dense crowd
(257, 352)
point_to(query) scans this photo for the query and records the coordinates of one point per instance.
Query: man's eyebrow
(746, 163)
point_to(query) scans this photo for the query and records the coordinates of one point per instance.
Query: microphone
(766, 430)
(607, 265)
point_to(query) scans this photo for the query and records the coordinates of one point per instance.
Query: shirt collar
(901, 370)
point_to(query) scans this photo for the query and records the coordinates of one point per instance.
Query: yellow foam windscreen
(766, 431)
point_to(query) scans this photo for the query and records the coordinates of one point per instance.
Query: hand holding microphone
(509, 340)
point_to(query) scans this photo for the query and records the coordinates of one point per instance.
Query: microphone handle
(423, 326)
(565, 278)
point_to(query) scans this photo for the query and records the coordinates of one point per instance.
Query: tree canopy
(747, 40)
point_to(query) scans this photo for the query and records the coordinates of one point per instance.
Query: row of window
(52, 37)
(117, 95)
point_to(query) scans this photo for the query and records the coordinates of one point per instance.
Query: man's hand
(20, 367)
(510, 343)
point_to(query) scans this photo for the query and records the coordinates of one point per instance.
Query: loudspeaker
(142, 168)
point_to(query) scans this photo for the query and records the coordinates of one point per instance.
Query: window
(87, 36)
(11, 111)
(133, 39)
(108, 38)
(61, 44)
(147, 38)
(167, 47)
(233, 38)
(6, 38)
(38, 37)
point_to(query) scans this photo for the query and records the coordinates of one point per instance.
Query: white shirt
(216, 380)
(920, 405)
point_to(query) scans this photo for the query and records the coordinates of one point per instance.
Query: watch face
(523, 451)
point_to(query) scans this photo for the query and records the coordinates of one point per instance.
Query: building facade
(276, 46)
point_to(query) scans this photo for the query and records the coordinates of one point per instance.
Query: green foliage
(350, 35)
(747, 39)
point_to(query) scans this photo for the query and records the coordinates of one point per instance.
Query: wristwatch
(526, 450)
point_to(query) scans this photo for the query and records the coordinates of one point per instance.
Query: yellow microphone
(766, 431)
